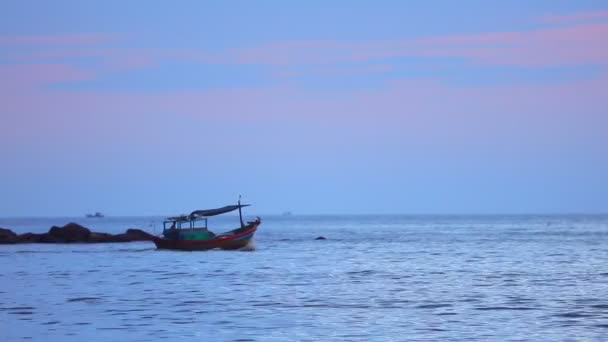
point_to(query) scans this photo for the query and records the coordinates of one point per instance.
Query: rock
(121, 238)
(48, 238)
(321, 238)
(101, 237)
(31, 237)
(7, 236)
(129, 236)
(71, 232)
(139, 235)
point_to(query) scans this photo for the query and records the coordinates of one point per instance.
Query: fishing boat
(96, 215)
(190, 232)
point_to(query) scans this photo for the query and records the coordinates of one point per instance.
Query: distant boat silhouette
(287, 213)
(96, 215)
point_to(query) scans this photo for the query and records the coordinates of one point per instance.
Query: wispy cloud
(17, 77)
(62, 39)
(580, 44)
(576, 17)
(576, 44)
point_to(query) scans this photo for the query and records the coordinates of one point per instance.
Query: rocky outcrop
(129, 236)
(30, 237)
(7, 236)
(73, 233)
(101, 237)
(321, 238)
(139, 235)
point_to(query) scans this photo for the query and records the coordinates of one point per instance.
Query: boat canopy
(206, 213)
(218, 211)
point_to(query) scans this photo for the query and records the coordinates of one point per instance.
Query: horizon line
(333, 214)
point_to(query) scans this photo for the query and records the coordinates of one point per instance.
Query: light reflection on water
(375, 278)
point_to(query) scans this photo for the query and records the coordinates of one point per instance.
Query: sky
(313, 107)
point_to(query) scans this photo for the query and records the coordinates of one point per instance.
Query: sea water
(375, 278)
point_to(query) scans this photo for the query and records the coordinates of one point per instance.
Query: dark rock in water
(7, 236)
(321, 238)
(133, 235)
(129, 236)
(139, 235)
(101, 237)
(47, 238)
(30, 237)
(71, 232)
(121, 238)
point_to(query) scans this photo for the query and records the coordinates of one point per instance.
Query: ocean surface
(375, 278)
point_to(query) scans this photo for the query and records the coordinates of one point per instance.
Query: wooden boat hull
(234, 239)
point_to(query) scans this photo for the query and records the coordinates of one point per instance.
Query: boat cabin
(194, 226)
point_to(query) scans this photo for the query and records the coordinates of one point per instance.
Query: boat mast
(240, 212)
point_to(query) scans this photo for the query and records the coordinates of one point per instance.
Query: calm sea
(375, 278)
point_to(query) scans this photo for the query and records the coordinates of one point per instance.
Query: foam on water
(250, 247)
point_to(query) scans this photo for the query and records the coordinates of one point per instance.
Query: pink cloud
(332, 70)
(574, 45)
(577, 44)
(579, 16)
(76, 38)
(17, 77)
(407, 113)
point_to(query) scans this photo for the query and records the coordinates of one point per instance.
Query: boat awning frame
(197, 214)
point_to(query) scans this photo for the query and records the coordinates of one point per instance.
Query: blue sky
(139, 108)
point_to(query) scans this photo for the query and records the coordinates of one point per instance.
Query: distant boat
(96, 215)
(183, 233)
(288, 213)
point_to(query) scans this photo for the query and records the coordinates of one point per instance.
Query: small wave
(182, 322)
(266, 304)
(85, 299)
(361, 273)
(17, 308)
(131, 250)
(433, 306)
(123, 311)
(600, 306)
(178, 274)
(190, 302)
(137, 325)
(181, 311)
(498, 308)
(327, 306)
(37, 252)
(574, 315)
(21, 313)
